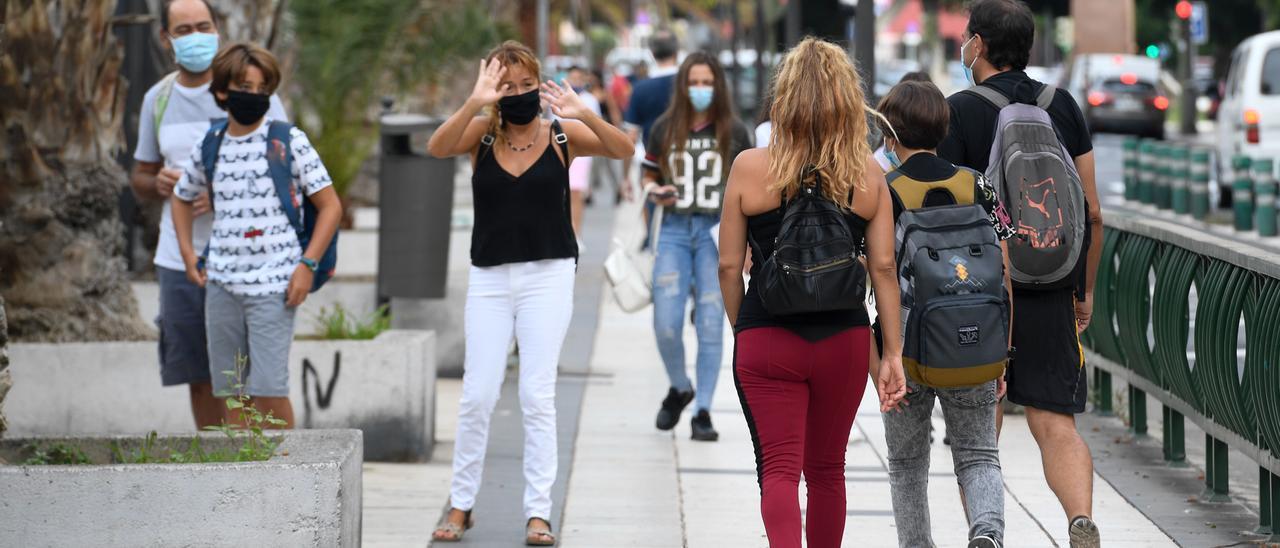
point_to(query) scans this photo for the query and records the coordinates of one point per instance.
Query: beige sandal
(538, 535)
(452, 531)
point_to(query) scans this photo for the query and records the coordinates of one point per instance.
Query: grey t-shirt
(185, 122)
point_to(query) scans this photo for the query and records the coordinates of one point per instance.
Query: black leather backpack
(814, 266)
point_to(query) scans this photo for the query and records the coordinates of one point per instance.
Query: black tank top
(525, 218)
(812, 327)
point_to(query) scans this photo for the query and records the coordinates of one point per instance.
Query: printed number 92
(705, 192)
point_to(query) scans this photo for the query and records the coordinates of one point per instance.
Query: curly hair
(819, 118)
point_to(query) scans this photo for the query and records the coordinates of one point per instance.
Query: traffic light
(1183, 9)
(1153, 51)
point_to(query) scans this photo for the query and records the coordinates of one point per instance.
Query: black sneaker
(672, 406)
(702, 429)
(983, 541)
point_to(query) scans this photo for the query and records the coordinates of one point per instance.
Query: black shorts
(1047, 370)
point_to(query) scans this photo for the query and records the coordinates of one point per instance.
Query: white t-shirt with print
(185, 122)
(253, 249)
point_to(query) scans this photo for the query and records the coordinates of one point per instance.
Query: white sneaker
(1084, 533)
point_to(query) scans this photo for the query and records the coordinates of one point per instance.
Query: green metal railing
(1142, 331)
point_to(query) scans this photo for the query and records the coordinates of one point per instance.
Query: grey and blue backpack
(951, 275)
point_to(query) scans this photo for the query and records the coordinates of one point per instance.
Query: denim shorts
(184, 352)
(254, 331)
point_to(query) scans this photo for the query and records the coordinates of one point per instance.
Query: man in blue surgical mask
(176, 113)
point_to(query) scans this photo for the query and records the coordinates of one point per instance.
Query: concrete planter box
(310, 496)
(385, 387)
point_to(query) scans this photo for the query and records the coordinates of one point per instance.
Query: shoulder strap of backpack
(280, 165)
(1045, 98)
(209, 148)
(162, 98)
(990, 95)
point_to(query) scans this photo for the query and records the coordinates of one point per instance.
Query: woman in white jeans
(523, 256)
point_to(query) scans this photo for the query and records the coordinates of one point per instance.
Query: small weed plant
(341, 323)
(58, 453)
(248, 437)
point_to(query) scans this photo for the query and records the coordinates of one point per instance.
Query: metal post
(1104, 394)
(1137, 412)
(1188, 111)
(1215, 471)
(792, 22)
(1178, 177)
(1242, 195)
(762, 33)
(1175, 432)
(1264, 187)
(865, 30)
(1199, 180)
(1146, 171)
(1274, 507)
(1264, 502)
(1130, 168)
(1162, 188)
(736, 68)
(542, 28)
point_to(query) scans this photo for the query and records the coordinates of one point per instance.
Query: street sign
(1199, 23)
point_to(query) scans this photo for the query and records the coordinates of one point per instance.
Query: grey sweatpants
(970, 415)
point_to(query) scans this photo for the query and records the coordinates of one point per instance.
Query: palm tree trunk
(62, 273)
(6, 382)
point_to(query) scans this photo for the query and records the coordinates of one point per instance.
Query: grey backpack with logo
(951, 274)
(1041, 189)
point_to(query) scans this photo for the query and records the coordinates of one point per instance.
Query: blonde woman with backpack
(801, 376)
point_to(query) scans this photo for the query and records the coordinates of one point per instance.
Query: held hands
(891, 383)
(563, 101)
(1084, 312)
(299, 286)
(486, 91)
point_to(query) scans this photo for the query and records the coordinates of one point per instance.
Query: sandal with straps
(453, 531)
(538, 535)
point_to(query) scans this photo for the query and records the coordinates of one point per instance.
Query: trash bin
(415, 212)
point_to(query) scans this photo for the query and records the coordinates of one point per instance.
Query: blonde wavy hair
(819, 118)
(511, 54)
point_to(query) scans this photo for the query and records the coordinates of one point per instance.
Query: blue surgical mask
(892, 155)
(968, 68)
(195, 51)
(701, 97)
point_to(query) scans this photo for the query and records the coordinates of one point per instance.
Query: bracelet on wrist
(309, 263)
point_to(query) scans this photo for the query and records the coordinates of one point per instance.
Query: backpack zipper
(818, 268)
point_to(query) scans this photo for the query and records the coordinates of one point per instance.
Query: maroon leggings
(800, 398)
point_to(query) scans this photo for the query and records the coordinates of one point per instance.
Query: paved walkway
(630, 485)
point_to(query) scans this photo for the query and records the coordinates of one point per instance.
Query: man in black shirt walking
(1047, 373)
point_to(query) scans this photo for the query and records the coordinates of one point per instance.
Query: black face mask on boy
(247, 108)
(520, 109)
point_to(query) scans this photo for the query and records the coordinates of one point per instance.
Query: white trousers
(533, 301)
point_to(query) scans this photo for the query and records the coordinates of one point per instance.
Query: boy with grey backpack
(950, 229)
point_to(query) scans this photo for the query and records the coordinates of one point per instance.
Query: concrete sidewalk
(631, 485)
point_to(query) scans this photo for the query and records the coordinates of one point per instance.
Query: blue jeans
(689, 263)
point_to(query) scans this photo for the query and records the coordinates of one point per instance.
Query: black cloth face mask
(247, 108)
(520, 109)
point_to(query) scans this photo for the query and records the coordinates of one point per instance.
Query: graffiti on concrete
(323, 395)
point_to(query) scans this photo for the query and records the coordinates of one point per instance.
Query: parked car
(1119, 92)
(1126, 104)
(1249, 116)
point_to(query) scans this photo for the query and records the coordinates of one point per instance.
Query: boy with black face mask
(256, 273)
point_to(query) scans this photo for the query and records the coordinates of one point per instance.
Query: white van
(1249, 116)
